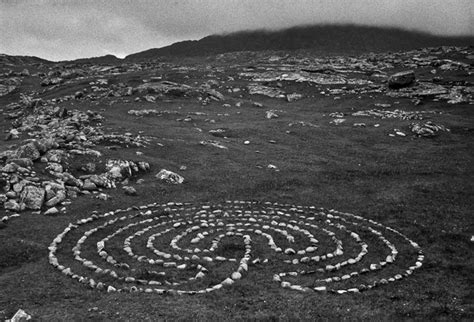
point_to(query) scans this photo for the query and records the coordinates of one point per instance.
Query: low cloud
(59, 30)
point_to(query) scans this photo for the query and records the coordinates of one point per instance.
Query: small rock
(60, 195)
(89, 167)
(9, 168)
(337, 121)
(54, 167)
(271, 114)
(51, 211)
(273, 167)
(293, 97)
(20, 315)
(12, 205)
(102, 196)
(11, 194)
(129, 190)
(213, 143)
(89, 185)
(13, 134)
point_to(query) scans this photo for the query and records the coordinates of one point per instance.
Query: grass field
(422, 187)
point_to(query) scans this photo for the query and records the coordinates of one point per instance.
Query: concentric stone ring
(185, 248)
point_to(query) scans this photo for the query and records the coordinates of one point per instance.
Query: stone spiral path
(185, 248)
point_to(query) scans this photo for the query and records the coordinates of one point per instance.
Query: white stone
(228, 281)
(236, 276)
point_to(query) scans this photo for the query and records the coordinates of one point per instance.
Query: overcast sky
(61, 29)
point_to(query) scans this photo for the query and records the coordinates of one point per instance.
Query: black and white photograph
(236, 160)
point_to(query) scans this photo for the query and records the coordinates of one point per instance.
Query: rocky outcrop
(401, 79)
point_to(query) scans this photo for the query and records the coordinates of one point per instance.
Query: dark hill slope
(9, 61)
(322, 38)
(103, 60)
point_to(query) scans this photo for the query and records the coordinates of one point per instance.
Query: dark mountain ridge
(329, 39)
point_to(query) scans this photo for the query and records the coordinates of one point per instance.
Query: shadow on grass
(15, 252)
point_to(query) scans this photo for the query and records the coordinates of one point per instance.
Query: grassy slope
(424, 187)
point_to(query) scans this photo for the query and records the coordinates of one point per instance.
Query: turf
(423, 187)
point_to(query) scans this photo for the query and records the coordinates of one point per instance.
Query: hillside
(263, 185)
(106, 60)
(323, 38)
(8, 60)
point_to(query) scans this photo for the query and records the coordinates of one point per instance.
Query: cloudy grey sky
(69, 29)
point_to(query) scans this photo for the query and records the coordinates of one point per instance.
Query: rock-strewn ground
(385, 136)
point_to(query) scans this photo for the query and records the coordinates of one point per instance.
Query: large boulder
(29, 151)
(169, 176)
(32, 197)
(401, 79)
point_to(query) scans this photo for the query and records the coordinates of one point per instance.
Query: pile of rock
(427, 129)
(8, 85)
(24, 190)
(398, 114)
(58, 135)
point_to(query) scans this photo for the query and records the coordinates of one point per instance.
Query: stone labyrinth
(184, 248)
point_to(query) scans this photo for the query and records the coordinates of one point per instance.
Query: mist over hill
(322, 38)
